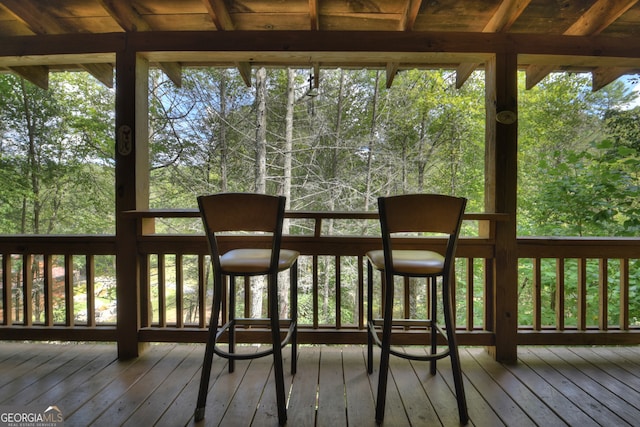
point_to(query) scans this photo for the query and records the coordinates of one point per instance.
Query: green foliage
(57, 156)
(578, 169)
(592, 192)
(549, 311)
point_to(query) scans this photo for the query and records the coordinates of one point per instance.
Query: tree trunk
(223, 132)
(334, 190)
(257, 285)
(421, 153)
(261, 131)
(372, 137)
(283, 290)
(288, 141)
(33, 161)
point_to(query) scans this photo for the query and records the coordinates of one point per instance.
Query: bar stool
(403, 219)
(253, 224)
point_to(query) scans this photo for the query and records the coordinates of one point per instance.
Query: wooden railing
(331, 280)
(579, 290)
(45, 282)
(572, 291)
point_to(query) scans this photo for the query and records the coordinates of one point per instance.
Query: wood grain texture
(547, 386)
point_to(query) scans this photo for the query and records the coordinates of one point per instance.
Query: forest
(335, 147)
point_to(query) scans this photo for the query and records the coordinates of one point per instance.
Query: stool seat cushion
(410, 262)
(255, 261)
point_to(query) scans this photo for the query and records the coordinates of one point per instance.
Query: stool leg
(208, 353)
(278, 371)
(293, 297)
(386, 347)
(453, 353)
(434, 316)
(369, 318)
(232, 325)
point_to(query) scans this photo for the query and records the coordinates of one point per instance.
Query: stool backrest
(421, 213)
(435, 213)
(243, 215)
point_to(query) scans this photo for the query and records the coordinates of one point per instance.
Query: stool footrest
(241, 321)
(410, 356)
(407, 323)
(248, 356)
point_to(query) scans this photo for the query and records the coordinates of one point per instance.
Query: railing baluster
(361, 293)
(162, 299)
(146, 314)
(582, 294)
(429, 298)
(470, 294)
(316, 292)
(624, 294)
(488, 295)
(90, 269)
(202, 290)
(6, 289)
(560, 294)
(68, 290)
(537, 295)
(603, 291)
(338, 292)
(406, 297)
(48, 289)
(247, 297)
(224, 311)
(27, 290)
(179, 290)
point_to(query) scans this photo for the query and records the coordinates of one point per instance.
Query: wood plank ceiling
(265, 20)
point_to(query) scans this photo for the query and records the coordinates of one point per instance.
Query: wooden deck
(549, 386)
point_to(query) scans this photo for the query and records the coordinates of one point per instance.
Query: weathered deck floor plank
(576, 386)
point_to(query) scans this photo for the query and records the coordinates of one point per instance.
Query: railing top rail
(194, 213)
(59, 244)
(578, 247)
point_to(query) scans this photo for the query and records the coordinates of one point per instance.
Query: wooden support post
(500, 196)
(132, 190)
(7, 297)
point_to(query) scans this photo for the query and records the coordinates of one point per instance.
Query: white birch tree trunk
(257, 284)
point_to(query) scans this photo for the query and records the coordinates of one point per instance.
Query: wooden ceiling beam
(374, 46)
(600, 77)
(463, 72)
(125, 15)
(123, 12)
(173, 70)
(504, 17)
(102, 72)
(36, 74)
(41, 22)
(392, 70)
(34, 18)
(244, 68)
(506, 14)
(380, 42)
(535, 74)
(598, 17)
(219, 14)
(413, 8)
(314, 20)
